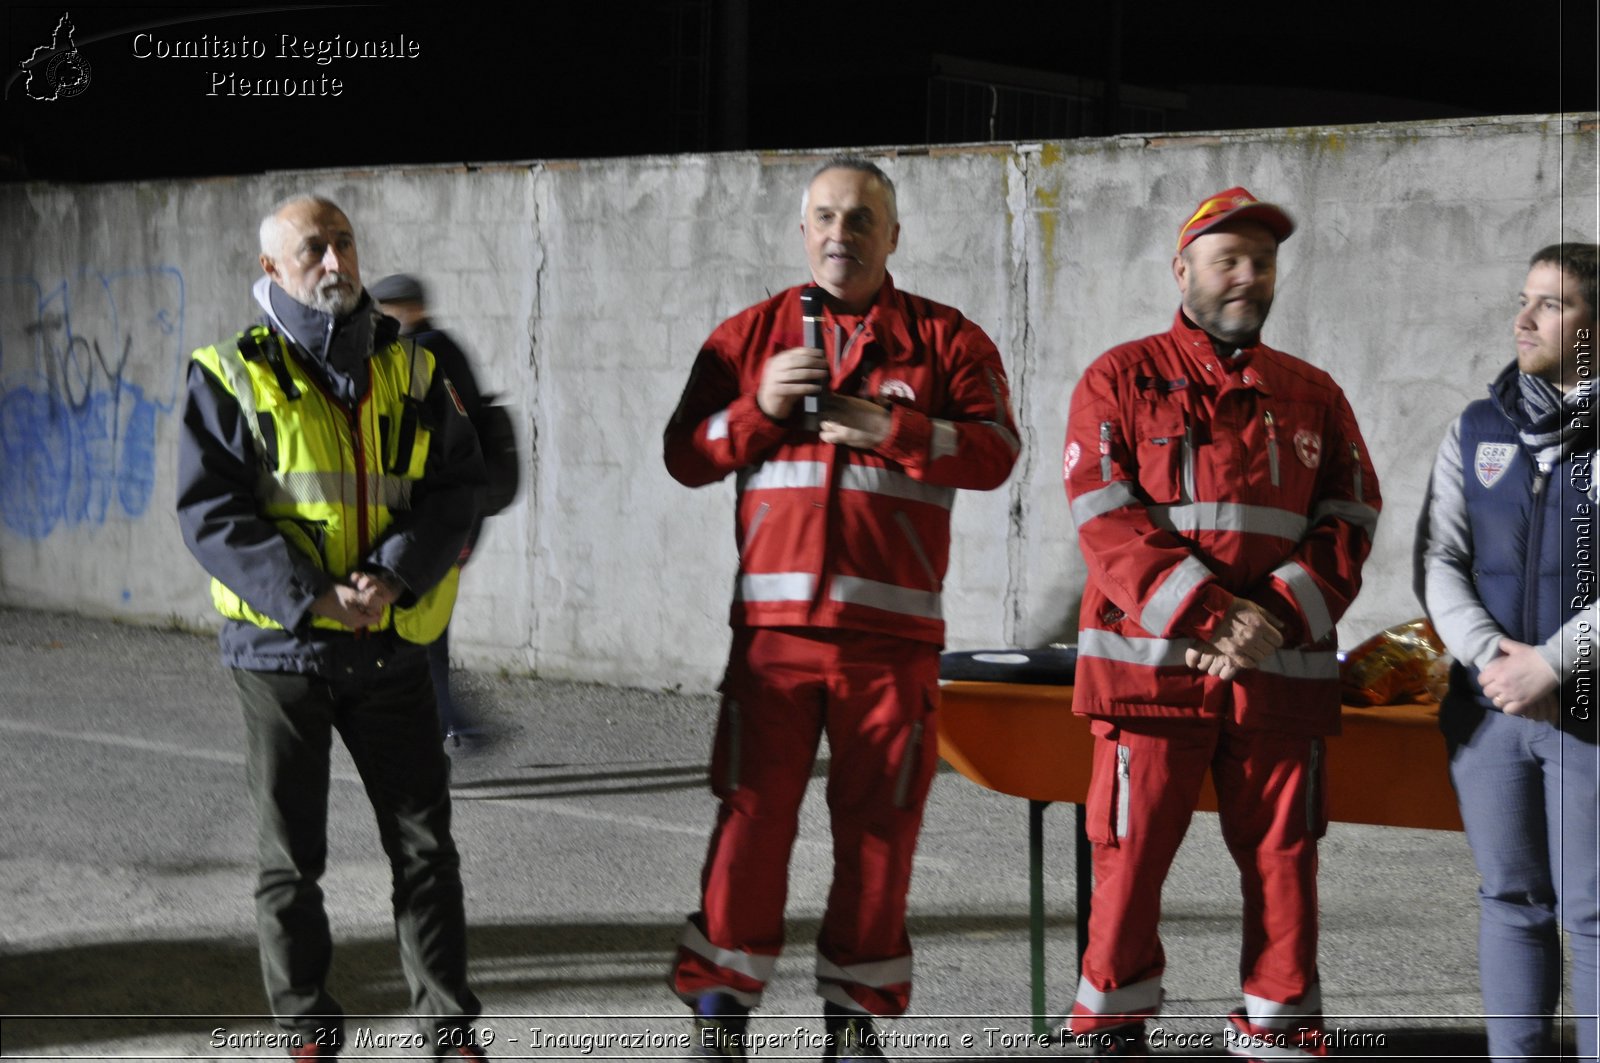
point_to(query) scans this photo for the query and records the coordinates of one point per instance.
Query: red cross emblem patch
(1308, 447)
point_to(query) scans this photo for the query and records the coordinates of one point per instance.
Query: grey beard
(335, 302)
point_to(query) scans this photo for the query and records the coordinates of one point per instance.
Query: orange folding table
(1387, 767)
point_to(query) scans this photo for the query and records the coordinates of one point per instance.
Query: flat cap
(397, 288)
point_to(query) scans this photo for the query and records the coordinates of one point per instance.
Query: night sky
(465, 85)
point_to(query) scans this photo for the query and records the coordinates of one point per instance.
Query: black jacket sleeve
(424, 541)
(218, 514)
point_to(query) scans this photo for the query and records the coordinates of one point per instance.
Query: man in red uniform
(843, 532)
(1224, 502)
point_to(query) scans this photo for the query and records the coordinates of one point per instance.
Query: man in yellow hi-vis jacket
(327, 477)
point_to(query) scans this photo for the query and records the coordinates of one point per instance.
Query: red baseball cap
(1235, 204)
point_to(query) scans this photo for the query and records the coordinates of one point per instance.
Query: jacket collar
(338, 347)
(1201, 347)
(885, 322)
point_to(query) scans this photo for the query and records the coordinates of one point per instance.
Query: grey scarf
(1556, 424)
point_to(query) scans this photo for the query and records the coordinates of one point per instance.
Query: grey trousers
(388, 722)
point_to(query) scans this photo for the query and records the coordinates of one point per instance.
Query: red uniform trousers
(874, 696)
(1273, 807)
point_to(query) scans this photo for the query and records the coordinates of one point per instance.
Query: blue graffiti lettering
(87, 370)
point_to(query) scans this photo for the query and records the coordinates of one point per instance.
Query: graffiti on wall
(88, 367)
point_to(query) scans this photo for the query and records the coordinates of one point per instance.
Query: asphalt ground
(126, 877)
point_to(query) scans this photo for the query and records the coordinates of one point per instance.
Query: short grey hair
(270, 235)
(860, 165)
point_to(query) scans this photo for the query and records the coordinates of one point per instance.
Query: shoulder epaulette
(262, 343)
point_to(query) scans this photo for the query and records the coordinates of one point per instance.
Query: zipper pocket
(1272, 444)
(730, 777)
(755, 523)
(910, 531)
(1355, 458)
(1313, 789)
(1124, 785)
(1105, 451)
(908, 765)
(1186, 463)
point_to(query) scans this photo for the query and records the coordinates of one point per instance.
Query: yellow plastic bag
(1404, 663)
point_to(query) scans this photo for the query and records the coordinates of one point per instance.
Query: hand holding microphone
(811, 321)
(799, 373)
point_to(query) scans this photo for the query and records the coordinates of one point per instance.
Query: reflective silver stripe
(749, 964)
(717, 426)
(1169, 653)
(244, 393)
(419, 381)
(394, 492)
(327, 488)
(1109, 499)
(834, 993)
(1273, 1015)
(783, 476)
(1362, 516)
(853, 590)
(1174, 591)
(1302, 664)
(775, 587)
(1309, 597)
(873, 479)
(1005, 434)
(1152, 653)
(1230, 517)
(945, 438)
(876, 974)
(877, 480)
(1137, 999)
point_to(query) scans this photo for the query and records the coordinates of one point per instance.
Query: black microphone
(811, 323)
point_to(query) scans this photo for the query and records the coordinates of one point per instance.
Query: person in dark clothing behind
(327, 480)
(404, 298)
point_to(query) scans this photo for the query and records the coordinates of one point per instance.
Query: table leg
(1083, 867)
(1085, 876)
(1041, 1025)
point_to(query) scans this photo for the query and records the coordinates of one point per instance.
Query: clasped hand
(1521, 683)
(360, 602)
(1248, 636)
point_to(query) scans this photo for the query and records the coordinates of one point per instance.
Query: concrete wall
(585, 288)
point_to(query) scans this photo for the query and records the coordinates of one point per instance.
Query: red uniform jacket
(1193, 480)
(831, 536)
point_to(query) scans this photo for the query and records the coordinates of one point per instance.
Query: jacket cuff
(749, 426)
(302, 593)
(1284, 611)
(1204, 614)
(910, 434)
(1550, 652)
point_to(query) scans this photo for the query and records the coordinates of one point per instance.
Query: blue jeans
(388, 723)
(1530, 801)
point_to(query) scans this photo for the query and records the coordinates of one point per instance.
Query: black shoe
(848, 1035)
(719, 1026)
